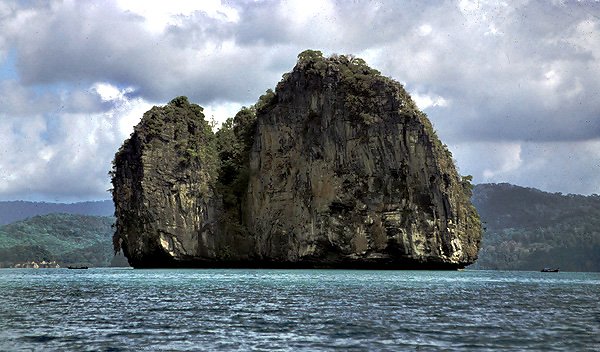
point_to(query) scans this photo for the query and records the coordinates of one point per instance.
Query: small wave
(38, 338)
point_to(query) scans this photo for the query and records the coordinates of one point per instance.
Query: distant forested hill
(19, 210)
(66, 238)
(527, 229)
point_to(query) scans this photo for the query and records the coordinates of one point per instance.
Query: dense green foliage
(360, 83)
(527, 229)
(197, 148)
(234, 140)
(65, 238)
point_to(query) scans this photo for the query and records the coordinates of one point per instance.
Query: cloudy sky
(513, 88)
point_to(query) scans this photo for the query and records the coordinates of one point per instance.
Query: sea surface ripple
(297, 310)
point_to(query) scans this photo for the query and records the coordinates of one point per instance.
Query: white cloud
(503, 82)
(128, 113)
(158, 14)
(586, 36)
(488, 161)
(492, 30)
(568, 167)
(65, 156)
(424, 30)
(219, 112)
(303, 12)
(108, 92)
(425, 101)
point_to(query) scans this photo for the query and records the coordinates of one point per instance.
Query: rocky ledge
(337, 168)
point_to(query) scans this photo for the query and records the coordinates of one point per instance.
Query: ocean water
(297, 310)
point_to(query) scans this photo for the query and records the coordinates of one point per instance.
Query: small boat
(77, 267)
(548, 270)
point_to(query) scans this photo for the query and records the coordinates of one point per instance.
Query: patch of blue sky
(9, 72)
(52, 133)
(8, 67)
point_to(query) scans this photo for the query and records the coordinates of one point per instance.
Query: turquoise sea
(297, 310)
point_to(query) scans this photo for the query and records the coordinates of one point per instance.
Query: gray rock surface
(343, 171)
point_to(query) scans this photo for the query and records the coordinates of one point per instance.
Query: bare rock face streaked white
(343, 171)
(346, 170)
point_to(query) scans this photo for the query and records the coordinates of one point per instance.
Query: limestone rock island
(337, 168)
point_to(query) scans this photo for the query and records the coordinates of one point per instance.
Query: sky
(513, 88)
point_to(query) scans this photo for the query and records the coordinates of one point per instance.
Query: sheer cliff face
(164, 204)
(343, 171)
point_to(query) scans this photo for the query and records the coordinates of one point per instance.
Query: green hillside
(527, 229)
(11, 211)
(66, 238)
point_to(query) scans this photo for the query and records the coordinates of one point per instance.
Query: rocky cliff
(336, 168)
(165, 204)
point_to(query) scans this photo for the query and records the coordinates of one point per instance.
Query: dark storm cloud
(95, 41)
(82, 42)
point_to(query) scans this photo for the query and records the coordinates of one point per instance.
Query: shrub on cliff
(234, 141)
